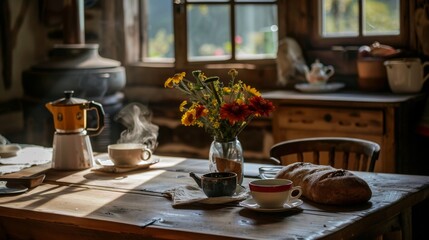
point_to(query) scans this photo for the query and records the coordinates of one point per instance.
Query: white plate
(319, 88)
(5, 190)
(252, 205)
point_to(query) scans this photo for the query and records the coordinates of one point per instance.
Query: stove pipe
(73, 21)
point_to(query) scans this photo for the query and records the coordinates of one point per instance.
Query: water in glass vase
(227, 157)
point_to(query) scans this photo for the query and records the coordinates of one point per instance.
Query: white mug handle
(146, 154)
(293, 190)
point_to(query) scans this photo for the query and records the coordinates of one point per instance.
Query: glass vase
(227, 157)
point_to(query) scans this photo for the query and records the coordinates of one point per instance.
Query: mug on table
(128, 154)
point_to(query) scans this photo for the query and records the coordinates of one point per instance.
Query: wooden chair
(365, 152)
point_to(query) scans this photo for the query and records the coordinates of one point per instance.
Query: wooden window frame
(259, 74)
(319, 42)
(179, 25)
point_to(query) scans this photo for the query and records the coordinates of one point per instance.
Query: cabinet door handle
(327, 117)
(361, 124)
(343, 123)
(307, 121)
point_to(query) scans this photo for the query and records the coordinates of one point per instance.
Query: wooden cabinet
(387, 119)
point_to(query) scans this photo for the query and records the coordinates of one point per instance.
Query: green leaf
(198, 87)
(196, 73)
(211, 79)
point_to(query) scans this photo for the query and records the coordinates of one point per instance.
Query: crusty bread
(327, 185)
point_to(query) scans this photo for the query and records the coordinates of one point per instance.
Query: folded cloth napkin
(4, 169)
(193, 194)
(26, 157)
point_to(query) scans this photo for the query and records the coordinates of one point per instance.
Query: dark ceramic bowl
(218, 184)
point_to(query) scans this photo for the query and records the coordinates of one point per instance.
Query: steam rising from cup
(137, 118)
(3, 140)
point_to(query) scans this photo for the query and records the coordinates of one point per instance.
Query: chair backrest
(310, 150)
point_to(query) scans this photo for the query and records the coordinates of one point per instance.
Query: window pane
(208, 32)
(158, 25)
(381, 17)
(340, 18)
(256, 37)
(255, 0)
(201, 1)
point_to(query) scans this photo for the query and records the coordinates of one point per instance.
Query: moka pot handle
(100, 118)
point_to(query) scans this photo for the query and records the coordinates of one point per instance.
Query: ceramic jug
(406, 75)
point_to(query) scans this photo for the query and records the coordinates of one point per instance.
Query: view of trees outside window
(381, 17)
(208, 32)
(209, 26)
(340, 18)
(158, 27)
(209, 29)
(256, 31)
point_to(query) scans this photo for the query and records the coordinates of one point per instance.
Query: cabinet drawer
(330, 119)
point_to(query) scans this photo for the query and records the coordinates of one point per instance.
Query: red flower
(200, 111)
(260, 107)
(234, 112)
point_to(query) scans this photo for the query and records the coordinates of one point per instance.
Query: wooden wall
(117, 27)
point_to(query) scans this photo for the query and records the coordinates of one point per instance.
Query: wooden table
(91, 205)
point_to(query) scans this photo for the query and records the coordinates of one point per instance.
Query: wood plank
(28, 177)
(30, 172)
(29, 182)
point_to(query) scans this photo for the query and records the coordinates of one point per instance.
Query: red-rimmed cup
(274, 193)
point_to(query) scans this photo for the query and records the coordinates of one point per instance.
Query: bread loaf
(327, 185)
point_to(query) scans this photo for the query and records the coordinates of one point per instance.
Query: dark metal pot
(74, 66)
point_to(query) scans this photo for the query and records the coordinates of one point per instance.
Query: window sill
(245, 65)
(261, 76)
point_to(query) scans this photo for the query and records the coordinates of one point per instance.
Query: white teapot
(319, 73)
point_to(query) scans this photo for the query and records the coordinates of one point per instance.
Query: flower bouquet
(224, 110)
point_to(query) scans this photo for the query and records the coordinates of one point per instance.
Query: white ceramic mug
(128, 154)
(406, 75)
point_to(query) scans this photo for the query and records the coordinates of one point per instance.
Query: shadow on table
(310, 205)
(260, 218)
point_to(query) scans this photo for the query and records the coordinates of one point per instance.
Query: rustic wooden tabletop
(94, 205)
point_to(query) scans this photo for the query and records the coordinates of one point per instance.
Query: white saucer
(105, 161)
(319, 88)
(252, 205)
